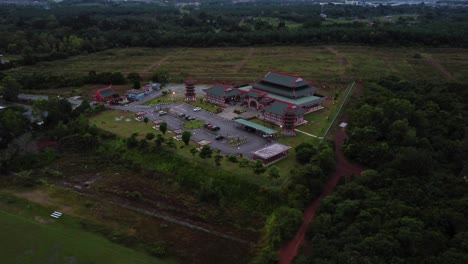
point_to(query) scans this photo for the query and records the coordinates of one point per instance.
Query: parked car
(206, 125)
(187, 117)
(182, 115)
(219, 137)
(196, 109)
(162, 113)
(215, 128)
(192, 118)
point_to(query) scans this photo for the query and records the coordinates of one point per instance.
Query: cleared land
(317, 63)
(34, 237)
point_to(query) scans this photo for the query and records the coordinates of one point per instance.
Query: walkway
(310, 135)
(343, 168)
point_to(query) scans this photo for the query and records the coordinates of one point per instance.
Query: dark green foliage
(145, 120)
(9, 88)
(280, 226)
(149, 136)
(232, 158)
(132, 142)
(163, 127)
(193, 151)
(159, 140)
(218, 159)
(304, 152)
(411, 206)
(205, 152)
(258, 167)
(186, 137)
(171, 143)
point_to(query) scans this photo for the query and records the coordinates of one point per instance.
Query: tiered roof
(284, 84)
(278, 108)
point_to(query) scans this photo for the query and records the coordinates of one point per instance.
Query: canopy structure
(272, 153)
(266, 130)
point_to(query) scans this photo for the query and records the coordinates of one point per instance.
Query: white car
(196, 109)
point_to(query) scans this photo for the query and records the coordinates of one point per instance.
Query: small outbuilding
(104, 94)
(271, 154)
(135, 95)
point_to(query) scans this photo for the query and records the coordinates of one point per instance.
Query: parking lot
(228, 128)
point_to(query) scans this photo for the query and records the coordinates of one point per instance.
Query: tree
(132, 141)
(133, 77)
(145, 120)
(161, 76)
(10, 88)
(171, 143)
(159, 140)
(163, 127)
(186, 137)
(136, 85)
(258, 167)
(149, 136)
(206, 152)
(281, 225)
(304, 152)
(274, 172)
(193, 151)
(218, 159)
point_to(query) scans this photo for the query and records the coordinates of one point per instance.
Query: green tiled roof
(106, 93)
(284, 79)
(302, 101)
(278, 108)
(284, 91)
(221, 91)
(266, 130)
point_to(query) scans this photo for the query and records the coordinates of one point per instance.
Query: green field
(38, 238)
(323, 64)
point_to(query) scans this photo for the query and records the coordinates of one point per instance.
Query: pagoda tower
(190, 95)
(289, 118)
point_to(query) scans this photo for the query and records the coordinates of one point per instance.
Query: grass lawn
(30, 235)
(194, 124)
(106, 120)
(210, 107)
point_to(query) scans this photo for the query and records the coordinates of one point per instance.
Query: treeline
(411, 205)
(67, 29)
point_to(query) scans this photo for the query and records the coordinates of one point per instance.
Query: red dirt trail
(343, 168)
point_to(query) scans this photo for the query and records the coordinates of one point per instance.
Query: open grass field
(322, 64)
(29, 235)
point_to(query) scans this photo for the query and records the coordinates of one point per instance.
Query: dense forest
(64, 29)
(410, 206)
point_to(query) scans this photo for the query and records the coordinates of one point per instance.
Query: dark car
(187, 117)
(215, 128)
(192, 118)
(206, 125)
(182, 115)
(219, 137)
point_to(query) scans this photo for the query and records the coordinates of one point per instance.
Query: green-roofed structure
(275, 94)
(222, 94)
(263, 129)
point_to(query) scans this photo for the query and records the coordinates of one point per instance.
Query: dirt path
(155, 65)
(343, 168)
(245, 60)
(339, 58)
(436, 65)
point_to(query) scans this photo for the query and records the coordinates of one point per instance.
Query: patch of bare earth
(436, 65)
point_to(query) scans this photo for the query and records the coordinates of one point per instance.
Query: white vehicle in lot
(196, 109)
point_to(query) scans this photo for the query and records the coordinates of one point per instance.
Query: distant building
(135, 95)
(104, 94)
(274, 95)
(271, 154)
(222, 95)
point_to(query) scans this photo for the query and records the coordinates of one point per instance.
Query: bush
(232, 158)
